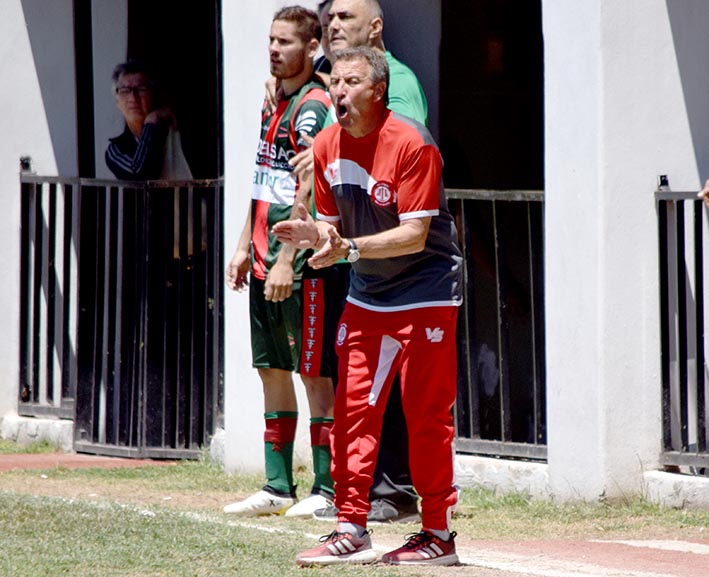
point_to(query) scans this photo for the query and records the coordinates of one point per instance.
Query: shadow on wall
(50, 30)
(688, 20)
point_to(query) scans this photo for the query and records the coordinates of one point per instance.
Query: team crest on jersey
(341, 334)
(382, 195)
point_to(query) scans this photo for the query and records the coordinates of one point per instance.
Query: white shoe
(308, 506)
(261, 503)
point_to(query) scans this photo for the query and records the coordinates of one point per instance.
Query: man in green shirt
(352, 23)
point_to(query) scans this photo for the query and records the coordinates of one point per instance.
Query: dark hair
(306, 21)
(133, 66)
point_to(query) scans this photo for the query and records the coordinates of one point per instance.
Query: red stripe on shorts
(313, 326)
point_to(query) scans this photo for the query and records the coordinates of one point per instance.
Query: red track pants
(372, 346)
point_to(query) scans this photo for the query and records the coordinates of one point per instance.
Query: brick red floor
(70, 461)
(590, 558)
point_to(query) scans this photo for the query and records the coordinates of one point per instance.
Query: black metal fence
(121, 312)
(501, 406)
(121, 315)
(683, 237)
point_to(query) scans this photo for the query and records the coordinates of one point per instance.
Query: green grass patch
(12, 448)
(52, 536)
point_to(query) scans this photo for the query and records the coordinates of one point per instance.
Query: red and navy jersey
(274, 185)
(370, 185)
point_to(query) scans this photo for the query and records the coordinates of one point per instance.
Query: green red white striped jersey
(274, 185)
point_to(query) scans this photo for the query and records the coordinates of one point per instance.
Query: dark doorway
(150, 357)
(182, 42)
(492, 94)
(492, 140)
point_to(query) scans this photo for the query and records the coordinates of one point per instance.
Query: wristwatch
(353, 255)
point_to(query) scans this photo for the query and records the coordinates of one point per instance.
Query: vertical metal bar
(34, 258)
(664, 211)
(115, 359)
(681, 282)
(203, 277)
(37, 317)
(104, 353)
(537, 339)
(133, 282)
(175, 396)
(216, 318)
(191, 401)
(27, 193)
(53, 392)
(72, 215)
(503, 327)
(470, 398)
(467, 397)
(197, 332)
(61, 288)
(143, 201)
(699, 326)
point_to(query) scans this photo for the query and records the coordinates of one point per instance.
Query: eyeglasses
(138, 91)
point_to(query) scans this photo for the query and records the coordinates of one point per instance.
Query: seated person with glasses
(149, 148)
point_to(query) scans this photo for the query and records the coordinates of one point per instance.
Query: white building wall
(572, 212)
(616, 117)
(110, 45)
(37, 118)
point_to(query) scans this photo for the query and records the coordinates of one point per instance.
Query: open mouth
(341, 111)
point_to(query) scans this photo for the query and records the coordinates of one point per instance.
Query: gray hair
(376, 8)
(375, 58)
(133, 67)
(379, 69)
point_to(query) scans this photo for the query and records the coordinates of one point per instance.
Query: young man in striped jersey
(273, 273)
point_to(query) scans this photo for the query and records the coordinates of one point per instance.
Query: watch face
(353, 255)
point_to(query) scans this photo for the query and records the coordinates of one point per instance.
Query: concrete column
(616, 116)
(573, 179)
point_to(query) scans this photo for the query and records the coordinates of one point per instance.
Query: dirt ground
(653, 554)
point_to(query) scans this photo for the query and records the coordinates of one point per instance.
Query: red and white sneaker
(339, 548)
(423, 548)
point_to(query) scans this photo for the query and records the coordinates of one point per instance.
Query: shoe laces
(336, 536)
(416, 540)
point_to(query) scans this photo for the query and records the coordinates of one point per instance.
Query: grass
(10, 447)
(167, 521)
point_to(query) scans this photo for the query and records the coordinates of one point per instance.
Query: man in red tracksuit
(381, 204)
